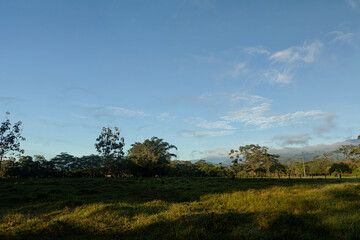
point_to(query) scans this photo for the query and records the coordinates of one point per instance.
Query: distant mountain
(295, 153)
(311, 151)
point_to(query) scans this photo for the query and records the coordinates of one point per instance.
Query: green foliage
(339, 168)
(152, 156)
(10, 137)
(109, 143)
(320, 165)
(253, 157)
(356, 171)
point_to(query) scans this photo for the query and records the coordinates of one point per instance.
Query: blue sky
(204, 75)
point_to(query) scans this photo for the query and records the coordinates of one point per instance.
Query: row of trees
(153, 158)
(66, 165)
(254, 160)
(144, 159)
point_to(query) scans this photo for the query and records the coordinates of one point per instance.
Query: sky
(204, 75)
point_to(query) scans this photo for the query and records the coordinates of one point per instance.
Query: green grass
(179, 208)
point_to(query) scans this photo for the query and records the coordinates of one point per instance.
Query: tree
(151, 156)
(355, 153)
(339, 168)
(254, 156)
(268, 159)
(248, 154)
(110, 145)
(345, 150)
(320, 165)
(278, 168)
(10, 137)
(9, 168)
(63, 163)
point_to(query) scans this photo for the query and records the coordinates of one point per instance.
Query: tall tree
(10, 138)
(345, 150)
(253, 156)
(152, 156)
(110, 145)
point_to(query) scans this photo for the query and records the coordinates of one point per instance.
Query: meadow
(179, 208)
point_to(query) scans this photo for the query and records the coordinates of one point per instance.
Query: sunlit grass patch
(204, 208)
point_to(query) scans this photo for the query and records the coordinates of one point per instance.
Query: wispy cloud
(112, 111)
(325, 127)
(212, 153)
(165, 116)
(352, 3)
(119, 111)
(260, 116)
(234, 73)
(274, 76)
(305, 53)
(314, 149)
(256, 50)
(340, 36)
(222, 99)
(290, 140)
(80, 116)
(202, 134)
(199, 122)
(249, 98)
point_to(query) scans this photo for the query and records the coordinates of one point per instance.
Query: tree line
(255, 161)
(153, 157)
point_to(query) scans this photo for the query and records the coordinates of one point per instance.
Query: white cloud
(260, 117)
(234, 98)
(210, 125)
(256, 50)
(119, 111)
(305, 53)
(201, 134)
(325, 127)
(165, 116)
(111, 111)
(352, 3)
(342, 36)
(212, 153)
(79, 116)
(237, 70)
(274, 76)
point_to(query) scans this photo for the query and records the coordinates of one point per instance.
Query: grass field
(179, 208)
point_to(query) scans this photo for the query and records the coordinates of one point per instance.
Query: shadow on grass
(199, 226)
(45, 195)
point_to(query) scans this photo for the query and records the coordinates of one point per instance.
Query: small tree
(278, 168)
(110, 145)
(339, 168)
(10, 137)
